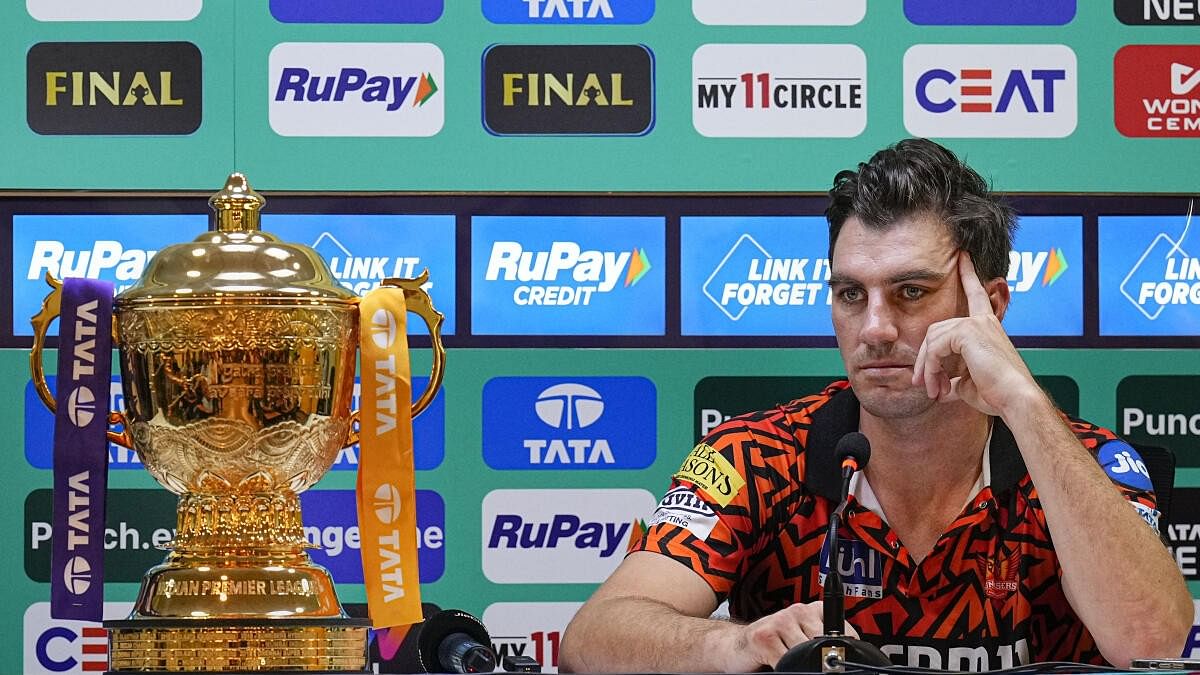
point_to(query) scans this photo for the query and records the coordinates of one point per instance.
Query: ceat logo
(1026, 268)
(569, 406)
(532, 629)
(54, 646)
(585, 272)
(1009, 91)
(1164, 275)
(356, 89)
(1156, 90)
(749, 275)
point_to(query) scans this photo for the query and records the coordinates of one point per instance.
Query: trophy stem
(261, 527)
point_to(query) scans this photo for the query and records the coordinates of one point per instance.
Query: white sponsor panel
(356, 89)
(779, 12)
(990, 91)
(66, 646)
(559, 536)
(786, 91)
(532, 629)
(113, 10)
(683, 508)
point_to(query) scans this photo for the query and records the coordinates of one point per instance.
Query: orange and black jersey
(750, 507)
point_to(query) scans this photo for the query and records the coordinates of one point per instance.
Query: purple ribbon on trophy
(81, 450)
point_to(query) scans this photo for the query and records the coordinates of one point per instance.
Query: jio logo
(77, 575)
(387, 503)
(383, 328)
(81, 407)
(569, 406)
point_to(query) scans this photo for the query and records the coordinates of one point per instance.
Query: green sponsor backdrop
(1162, 410)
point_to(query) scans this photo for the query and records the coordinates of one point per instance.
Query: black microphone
(826, 653)
(453, 641)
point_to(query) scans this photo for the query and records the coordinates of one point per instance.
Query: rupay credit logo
(568, 11)
(112, 248)
(1045, 277)
(572, 275)
(759, 275)
(1149, 281)
(364, 249)
(569, 423)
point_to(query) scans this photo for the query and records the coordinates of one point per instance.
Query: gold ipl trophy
(237, 357)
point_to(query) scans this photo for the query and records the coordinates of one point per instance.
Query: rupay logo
(577, 423)
(990, 91)
(1045, 276)
(54, 646)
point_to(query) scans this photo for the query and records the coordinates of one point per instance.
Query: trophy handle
(51, 308)
(417, 301)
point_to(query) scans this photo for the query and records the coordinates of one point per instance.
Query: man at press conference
(988, 530)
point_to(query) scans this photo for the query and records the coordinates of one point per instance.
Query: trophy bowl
(237, 356)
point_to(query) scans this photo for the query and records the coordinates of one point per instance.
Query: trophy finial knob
(237, 205)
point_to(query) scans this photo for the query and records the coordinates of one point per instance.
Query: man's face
(888, 287)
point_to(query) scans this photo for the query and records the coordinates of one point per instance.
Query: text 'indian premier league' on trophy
(237, 355)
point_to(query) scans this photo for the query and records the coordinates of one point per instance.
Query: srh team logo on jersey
(780, 12)
(779, 90)
(990, 91)
(359, 11)
(1156, 90)
(568, 11)
(1149, 280)
(53, 646)
(974, 12)
(113, 10)
(569, 423)
(860, 566)
(761, 275)
(356, 89)
(1157, 12)
(543, 275)
(112, 248)
(558, 536)
(1000, 573)
(364, 249)
(1045, 277)
(532, 629)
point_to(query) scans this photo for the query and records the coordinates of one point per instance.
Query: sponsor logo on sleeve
(356, 89)
(359, 11)
(1045, 277)
(1147, 514)
(779, 90)
(54, 646)
(1162, 410)
(1156, 90)
(860, 566)
(1149, 280)
(558, 536)
(587, 90)
(569, 423)
(990, 91)
(780, 12)
(1124, 465)
(1157, 12)
(88, 88)
(974, 12)
(708, 470)
(568, 11)
(684, 508)
(532, 629)
(113, 10)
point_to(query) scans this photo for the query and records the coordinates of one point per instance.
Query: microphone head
(853, 446)
(442, 625)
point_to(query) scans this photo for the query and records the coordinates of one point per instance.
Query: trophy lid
(237, 260)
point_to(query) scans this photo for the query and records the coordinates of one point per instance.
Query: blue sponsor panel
(331, 523)
(359, 11)
(112, 248)
(571, 275)
(429, 431)
(754, 275)
(568, 11)
(1149, 276)
(1124, 465)
(985, 13)
(363, 250)
(1045, 277)
(569, 423)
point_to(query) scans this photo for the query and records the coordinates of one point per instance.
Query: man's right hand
(765, 641)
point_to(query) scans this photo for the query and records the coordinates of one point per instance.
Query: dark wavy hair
(915, 176)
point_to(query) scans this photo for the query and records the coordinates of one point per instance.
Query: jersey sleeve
(1123, 466)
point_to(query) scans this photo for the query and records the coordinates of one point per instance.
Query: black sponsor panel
(1162, 410)
(394, 649)
(718, 398)
(568, 89)
(1182, 533)
(1157, 12)
(143, 88)
(1063, 390)
(137, 522)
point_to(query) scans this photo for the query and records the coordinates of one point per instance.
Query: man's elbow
(570, 648)
(1155, 636)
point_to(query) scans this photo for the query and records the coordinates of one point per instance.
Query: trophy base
(326, 645)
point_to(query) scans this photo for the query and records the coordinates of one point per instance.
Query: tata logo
(990, 90)
(569, 11)
(780, 12)
(113, 10)
(779, 90)
(1157, 12)
(359, 11)
(356, 89)
(39, 424)
(144, 88)
(973, 12)
(53, 646)
(1027, 268)
(558, 536)
(1156, 90)
(568, 90)
(429, 431)
(860, 566)
(589, 423)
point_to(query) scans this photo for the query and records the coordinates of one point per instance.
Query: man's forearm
(1120, 580)
(624, 634)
